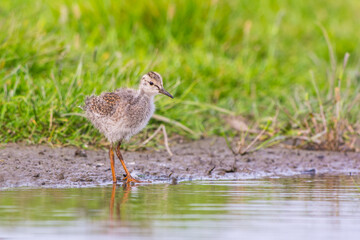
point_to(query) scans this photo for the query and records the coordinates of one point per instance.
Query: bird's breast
(139, 115)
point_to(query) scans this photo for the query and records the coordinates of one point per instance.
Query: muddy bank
(43, 166)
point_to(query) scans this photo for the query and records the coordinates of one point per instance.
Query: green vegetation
(263, 60)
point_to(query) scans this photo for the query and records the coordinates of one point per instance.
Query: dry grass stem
(253, 142)
(173, 122)
(166, 141)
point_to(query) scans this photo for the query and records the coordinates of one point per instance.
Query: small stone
(309, 171)
(61, 176)
(36, 175)
(2, 179)
(80, 153)
(74, 179)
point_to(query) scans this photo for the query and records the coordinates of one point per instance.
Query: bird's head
(152, 84)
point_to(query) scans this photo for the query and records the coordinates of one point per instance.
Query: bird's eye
(151, 83)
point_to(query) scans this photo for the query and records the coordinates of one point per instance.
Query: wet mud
(43, 166)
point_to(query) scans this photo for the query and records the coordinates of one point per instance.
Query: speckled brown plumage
(119, 114)
(104, 104)
(154, 75)
(124, 112)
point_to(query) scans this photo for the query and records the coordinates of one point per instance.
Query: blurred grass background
(218, 58)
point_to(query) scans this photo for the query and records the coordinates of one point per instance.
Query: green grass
(247, 58)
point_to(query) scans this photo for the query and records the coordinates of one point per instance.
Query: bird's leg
(112, 163)
(112, 199)
(128, 177)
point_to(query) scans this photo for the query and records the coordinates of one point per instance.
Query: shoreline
(64, 167)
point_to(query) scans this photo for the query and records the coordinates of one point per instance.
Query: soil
(43, 166)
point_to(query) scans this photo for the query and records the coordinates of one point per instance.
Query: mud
(43, 166)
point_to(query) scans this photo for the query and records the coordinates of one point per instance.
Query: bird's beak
(163, 91)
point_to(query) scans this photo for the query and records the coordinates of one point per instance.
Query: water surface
(290, 208)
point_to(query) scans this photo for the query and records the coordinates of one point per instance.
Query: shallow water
(290, 208)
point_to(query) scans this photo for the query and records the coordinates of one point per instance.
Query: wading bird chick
(125, 112)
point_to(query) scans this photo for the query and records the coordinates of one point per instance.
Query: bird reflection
(121, 203)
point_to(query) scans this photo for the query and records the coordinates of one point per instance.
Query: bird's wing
(104, 105)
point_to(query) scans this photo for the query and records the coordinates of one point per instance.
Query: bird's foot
(128, 179)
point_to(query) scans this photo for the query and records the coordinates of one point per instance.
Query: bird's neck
(149, 96)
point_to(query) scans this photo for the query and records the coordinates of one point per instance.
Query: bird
(120, 114)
